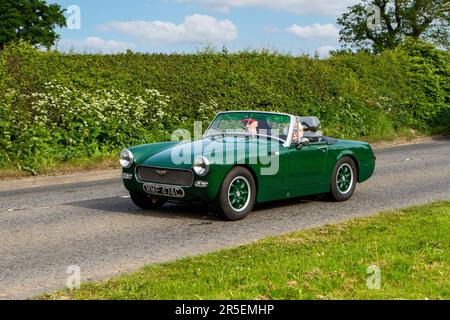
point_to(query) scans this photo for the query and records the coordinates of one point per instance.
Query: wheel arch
(355, 160)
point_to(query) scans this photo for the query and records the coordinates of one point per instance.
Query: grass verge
(410, 246)
(62, 168)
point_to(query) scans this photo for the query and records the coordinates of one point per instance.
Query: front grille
(165, 176)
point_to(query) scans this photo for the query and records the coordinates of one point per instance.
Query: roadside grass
(61, 168)
(410, 246)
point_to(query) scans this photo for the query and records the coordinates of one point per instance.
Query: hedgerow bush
(57, 107)
(429, 75)
(60, 124)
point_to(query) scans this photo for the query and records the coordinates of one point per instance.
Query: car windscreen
(266, 124)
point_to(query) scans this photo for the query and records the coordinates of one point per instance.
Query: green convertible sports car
(247, 157)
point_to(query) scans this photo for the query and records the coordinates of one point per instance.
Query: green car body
(303, 170)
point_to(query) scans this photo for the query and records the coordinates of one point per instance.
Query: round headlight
(126, 159)
(201, 166)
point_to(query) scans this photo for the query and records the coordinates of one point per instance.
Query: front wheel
(147, 202)
(237, 195)
(344, 179)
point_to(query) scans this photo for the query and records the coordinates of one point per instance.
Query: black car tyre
(147, 202)
(344, 179)
(237, 195)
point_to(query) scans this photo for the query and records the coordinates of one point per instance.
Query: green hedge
(57, 107)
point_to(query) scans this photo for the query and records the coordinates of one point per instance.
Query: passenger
(298, 133)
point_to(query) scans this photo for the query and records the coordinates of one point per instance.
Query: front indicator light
(127, 176)
(201, 184)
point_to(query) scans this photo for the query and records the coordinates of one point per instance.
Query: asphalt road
(94, 225)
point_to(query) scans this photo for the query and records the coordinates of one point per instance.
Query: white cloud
(315, 31)
(324, 52)
(304, 7)
(95, 44)
(196, 29)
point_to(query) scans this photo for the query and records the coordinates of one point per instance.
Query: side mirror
(303, 142)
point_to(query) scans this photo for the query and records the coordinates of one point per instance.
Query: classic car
(247, 157)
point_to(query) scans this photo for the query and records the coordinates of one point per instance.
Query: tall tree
(384, 24)
(30, 20)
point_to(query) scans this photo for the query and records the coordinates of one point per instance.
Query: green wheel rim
(344, 179)
(239, 194)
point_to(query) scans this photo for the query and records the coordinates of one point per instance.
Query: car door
(306, 165)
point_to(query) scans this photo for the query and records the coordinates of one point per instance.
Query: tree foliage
(33, 21)
(384, 24)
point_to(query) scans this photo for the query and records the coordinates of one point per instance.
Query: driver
(251, 125)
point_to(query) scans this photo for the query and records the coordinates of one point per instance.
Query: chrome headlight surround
(201, 166)
(126, 159)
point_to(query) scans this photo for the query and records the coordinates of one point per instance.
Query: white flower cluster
(60, 106)
(207, 110)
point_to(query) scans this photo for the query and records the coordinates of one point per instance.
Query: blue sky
(295, 26)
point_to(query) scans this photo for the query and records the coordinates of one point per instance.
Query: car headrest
(310, 123)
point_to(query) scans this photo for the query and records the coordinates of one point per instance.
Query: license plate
(162, 190)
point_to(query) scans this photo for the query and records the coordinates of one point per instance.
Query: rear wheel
(237, 195)
(147, 202)
(343, 182)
